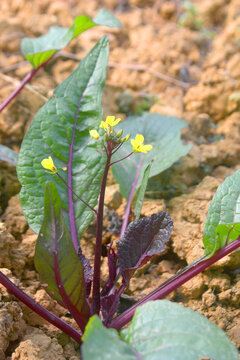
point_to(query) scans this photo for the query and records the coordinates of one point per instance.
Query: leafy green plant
(40, 51)
(154, 334)
(191, 16)
(63, 166)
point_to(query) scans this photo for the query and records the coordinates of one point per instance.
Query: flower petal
(103, 125)
(115, 122)
(94, 134)
(146, 148)
(110, 120)
(49, 165)
(139, 139)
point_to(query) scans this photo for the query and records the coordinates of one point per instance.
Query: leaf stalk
(18, 89)
(40, 310)
(175, 282)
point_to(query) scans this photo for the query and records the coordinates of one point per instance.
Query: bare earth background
(150, 45)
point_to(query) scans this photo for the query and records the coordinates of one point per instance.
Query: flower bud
(126, 138)
(119, 133)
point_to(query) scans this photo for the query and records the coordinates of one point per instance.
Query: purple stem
(98, 246)
(71, 211)
(27, 78)
(174, 283)
(128, 207)
(117, 296)
(125, 157)
(79, 197)
(40, 310)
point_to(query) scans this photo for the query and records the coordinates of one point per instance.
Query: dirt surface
(189, 71)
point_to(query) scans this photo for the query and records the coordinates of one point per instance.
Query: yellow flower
(138, 145)
(94, 134)
(49, 165)
(109, 123)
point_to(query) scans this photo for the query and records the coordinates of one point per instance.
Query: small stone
(208, 298)
(194, 287)
(152, 207)
(113, 197)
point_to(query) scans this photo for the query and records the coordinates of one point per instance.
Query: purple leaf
(141, 241)
(112, 268)
(88, 272)
(57, 261)
(109, 305)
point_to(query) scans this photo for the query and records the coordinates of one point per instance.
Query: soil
(202, 69)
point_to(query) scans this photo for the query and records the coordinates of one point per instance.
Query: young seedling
(40, 51)
(69, 139)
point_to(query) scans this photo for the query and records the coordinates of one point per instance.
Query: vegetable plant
(41, 50)
(63, 165)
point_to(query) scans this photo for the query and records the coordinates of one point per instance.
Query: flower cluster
(110, 134)
(116, 138)
(109, 124)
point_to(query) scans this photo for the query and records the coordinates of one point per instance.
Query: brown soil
(151, 37)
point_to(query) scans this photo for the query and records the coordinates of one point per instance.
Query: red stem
(40, 310)
(117, 296)
(125, 157)
(174, 283)
(98, 246)
(27, 78)
(79, 197)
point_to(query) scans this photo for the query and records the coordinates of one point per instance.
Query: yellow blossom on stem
(94, 134)
(49, 165)
(109, 123)
(138, 145)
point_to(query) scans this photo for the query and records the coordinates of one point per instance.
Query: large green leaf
(222, 225)
(60, 129)
(39, 50)
(9, 155)
(160, 330)
(57, 261)
(163, 133)
(104, 344)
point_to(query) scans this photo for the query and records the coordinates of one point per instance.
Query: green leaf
(103, 344)
(60, 129)
(37, 51)
(163, 133)
(165, 330)
(8, 155)
(223, 220)
(106, 18)
(56, 259)
(141, 193)
(159, 330)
